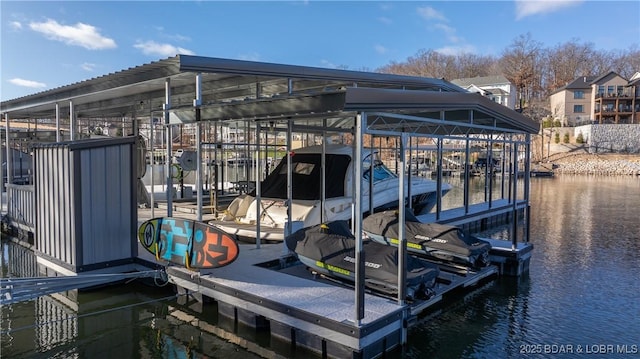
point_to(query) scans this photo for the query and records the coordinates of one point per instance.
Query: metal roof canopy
(229, 91)
(235, 90)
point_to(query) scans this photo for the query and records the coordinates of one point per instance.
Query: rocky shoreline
(598, 164)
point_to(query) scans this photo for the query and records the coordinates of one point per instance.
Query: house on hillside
(497, 88)
(604, 99)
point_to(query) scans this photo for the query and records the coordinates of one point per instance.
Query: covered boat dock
(158, 102)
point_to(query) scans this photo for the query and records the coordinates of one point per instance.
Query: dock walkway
(265, 286)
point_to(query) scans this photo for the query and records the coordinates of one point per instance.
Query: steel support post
(197, 102)
(169, 135)
(402, 242)
(357, 218)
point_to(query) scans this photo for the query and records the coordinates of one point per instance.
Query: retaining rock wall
(623, 138)
(591, 164)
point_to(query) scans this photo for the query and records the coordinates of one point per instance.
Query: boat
(439, 242)
(307, 208)
(542, 170)
(329, 249)
(239, 161)
(537, 173)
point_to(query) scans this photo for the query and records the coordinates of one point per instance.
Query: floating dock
(265, 289)
(268, 289)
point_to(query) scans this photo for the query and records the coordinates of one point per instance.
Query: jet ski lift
(329, 249)
(439, 242)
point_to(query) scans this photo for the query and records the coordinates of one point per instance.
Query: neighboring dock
(542, 170)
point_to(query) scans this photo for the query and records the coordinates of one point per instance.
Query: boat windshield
(380, 171)
(306, 177)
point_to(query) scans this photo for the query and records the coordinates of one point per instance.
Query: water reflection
(582, 290)
(480, 324)
(132, 320)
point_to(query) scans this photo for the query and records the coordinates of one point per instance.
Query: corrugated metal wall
(54, 198)
(107, 192)
(86, 201)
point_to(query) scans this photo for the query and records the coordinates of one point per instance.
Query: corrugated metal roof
(430, 103)
(246, 90)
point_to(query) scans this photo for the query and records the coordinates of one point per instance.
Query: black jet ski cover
(333, 244)
(428, 235)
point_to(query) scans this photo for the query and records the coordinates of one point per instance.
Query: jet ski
(428, 240)
(329, 249)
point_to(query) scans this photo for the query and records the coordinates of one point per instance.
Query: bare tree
(471, 65)
(430, 63)
(519, 64)
(600, 62)
(534, 70)
(568, 61)
(626, 62)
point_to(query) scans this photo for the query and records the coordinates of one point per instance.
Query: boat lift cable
(13, 290)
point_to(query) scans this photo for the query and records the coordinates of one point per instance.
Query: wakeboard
(194, 244)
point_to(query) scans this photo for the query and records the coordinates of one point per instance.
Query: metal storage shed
(85, 203)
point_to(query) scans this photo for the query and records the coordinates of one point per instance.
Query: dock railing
(20, 204)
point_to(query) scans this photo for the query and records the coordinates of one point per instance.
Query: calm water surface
(582, 289)
(581, 294)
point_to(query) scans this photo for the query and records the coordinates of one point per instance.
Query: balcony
(616, 95)
(625, 109)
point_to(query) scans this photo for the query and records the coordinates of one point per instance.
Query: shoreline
(598, 164)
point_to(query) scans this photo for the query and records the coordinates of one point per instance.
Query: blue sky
(49, 44)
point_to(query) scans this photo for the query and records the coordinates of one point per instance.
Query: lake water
(581, 296)
(582, 291)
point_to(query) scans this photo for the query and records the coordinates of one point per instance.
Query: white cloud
(15, 25)
(88, 66)
(80, 34)
(385, 20)
(381, 49)
(457, 50)
(27, 83)
(439, 22)
(526, 8)
(450, 32)
(164, 50)
(178, 37)
(429, 13)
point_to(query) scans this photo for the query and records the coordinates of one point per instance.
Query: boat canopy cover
(334, 245)
(306, 177)
(428, 235)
